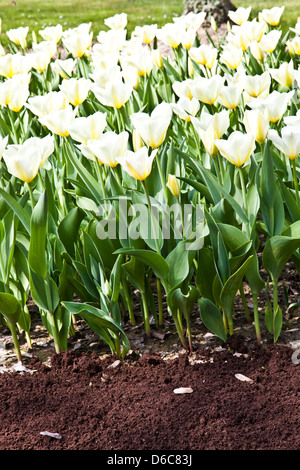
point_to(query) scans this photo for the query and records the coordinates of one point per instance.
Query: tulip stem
(151, 216)
(295, 181)
(31, 195)
(163, 182)
(243, 186)
(256, 317)
(13, 330)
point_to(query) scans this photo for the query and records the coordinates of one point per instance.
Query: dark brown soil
(132, 406)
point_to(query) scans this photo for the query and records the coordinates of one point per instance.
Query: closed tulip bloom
(76, 90)
(285, 74)
(87, 128)
(272, 16)
(207, 89)
(41, 105)
(20, 97)
(137, 141)
(256, 85)
(65, 67)
(232, 56)
(146, 33)
(186, 108)
(257, 123)
(171, 34)
(230, 96)
(40, 60)
(138, 164)
(257, 51)
(47, 47)
(238, 148)
(59, 121)
(18, 36)
(109, 147)
(118, 21)
(153, 128)
(205, 55)
(274, 105)
(237, 38)
(10, 64)
(173, 185)
(113, 40)
(188, 37)
(253, 30)
(183, 89)
(240, 15)
(15, 91)
(211, 127)
(52, 33)
(78, 43)
(157, 58)
(289, 141)
(270, 40)
(24, 160)
(191, 19)
(142, 60)
(115, 93)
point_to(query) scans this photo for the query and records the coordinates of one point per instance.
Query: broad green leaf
(212, 318)
(277, 252)
(10, 307)
(69, 227)
(277, 323)
(37, 249)
(156, 262)
(205, 273)
(17, 208)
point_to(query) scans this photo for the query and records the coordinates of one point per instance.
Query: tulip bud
(157, 57)
(213, 24)
(173, 185)
(291, 48)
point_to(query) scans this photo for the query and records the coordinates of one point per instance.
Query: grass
(38, 14)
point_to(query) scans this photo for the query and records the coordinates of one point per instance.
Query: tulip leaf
(277, 252)
(277, 323)
(17, 208)
(10, 307)
(37, 249)
(205, 273)
(212, 318)
(232, 285)
(68, 229)
(184, 302)
(156, 262)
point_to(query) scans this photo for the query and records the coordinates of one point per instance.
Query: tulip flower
(118, 21)
(188, 37)
(240, 15)
(78, 42)
(275, 105)
(289, 142)
(142, 60)
(59, 121)
(83, 129)
(272, 16)
(238, 148)
(75, 90)
(295, 44)
(46, 47)
(113, 40)
(183, 89)
(257, 123)
(253, 30)
(157, 58)
(64, 68)
(40, 60)
(237, 38)
(230, 96)
(285, 74)
(232, 56)
(12, 64)
(146, 33)
(256, 86)
(191, 19)
(115, 93)
(211, 127)
(138, 164)
(41, 105)
(153, 128)
(207, 89)
(171, 34)
(292, 120)
(18, 36)
(270, 40)
(52, 33)
(257, 51)
(296, 30)
(24, 160)
(186, 108)
(14, 91)
(205, 55)
(173, 185)
(109, 147)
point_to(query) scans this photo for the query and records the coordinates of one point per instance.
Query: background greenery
(38, 14)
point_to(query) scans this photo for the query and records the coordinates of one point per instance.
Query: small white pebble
(51, 434)
(182, 390)
(243, 378)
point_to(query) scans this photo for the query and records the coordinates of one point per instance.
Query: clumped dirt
(96, 403)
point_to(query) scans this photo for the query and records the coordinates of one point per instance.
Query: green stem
(243, 186)
(13, 330)
(180, 331)
(31, 195)
(275, 299)
(151, 216)
(160, 303)
(54, 331)
(146, 315)
(129, 302)
(256, 317)
(189, 332)
(162, 179)
(295, 181)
